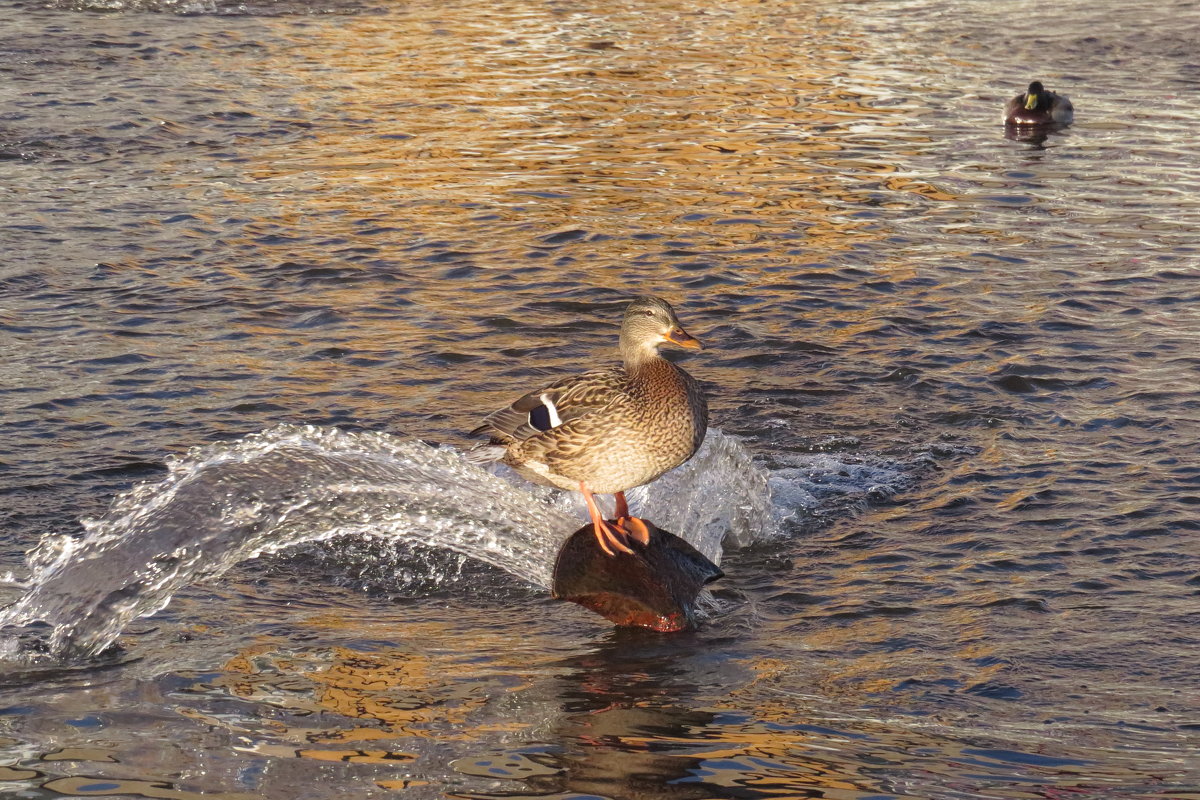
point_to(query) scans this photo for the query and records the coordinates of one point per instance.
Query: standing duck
(1039, 106)
(607, 430)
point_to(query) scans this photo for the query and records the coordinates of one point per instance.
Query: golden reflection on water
(744, 129)
(618, 718)
(356, 685)
(520, 120)
(711, 133)
(400, 695)
(430, 690)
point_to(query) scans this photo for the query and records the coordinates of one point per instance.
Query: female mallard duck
(607, 430)
(1039, 106)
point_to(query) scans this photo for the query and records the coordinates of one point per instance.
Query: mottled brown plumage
(607, 430)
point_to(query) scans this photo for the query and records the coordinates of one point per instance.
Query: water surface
(965, 366)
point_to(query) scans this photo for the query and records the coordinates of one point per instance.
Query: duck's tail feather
(485, 453)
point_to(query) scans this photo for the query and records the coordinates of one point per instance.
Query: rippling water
(967, 365)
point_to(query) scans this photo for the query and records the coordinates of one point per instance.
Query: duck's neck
(638, 357)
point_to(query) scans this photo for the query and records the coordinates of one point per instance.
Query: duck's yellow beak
(1030, 101)
(684, 339)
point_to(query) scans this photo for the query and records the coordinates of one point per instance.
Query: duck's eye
(648, 313)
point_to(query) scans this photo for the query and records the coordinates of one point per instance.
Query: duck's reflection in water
(643, 716)
(1035, 135)
(629, 717)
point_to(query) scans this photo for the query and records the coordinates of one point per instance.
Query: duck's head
(651, 322)
(1033, 95)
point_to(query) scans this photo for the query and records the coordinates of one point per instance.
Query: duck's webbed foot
(635, 528)
(611, 537)
(615, 535)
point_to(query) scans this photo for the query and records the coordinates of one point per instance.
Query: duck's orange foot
(615, 535)
(636, 528)
(610, 538)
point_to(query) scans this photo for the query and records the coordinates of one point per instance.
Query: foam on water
(806, 488)
(223, 504)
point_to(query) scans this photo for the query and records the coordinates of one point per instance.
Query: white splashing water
(223, 504)
(806, 489)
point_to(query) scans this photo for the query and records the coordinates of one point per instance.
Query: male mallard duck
(607, 430)
(1038, 106)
